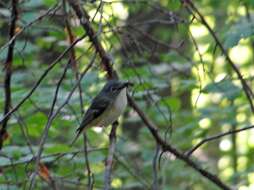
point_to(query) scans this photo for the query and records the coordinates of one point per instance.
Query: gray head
(115, 86)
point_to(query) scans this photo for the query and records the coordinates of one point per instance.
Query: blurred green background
(182, 82)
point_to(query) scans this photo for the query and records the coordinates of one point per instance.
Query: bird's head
(115, 86)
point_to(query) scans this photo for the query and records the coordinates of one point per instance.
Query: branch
(248, 92)
(88, 168)
(71, 38)
(52, 117)
(109, 161)
(8, 71)
(36, 85)
(84, 21)
(46, 129)
(217, 137)
(169, 148)
(20, 31)
(155, 185)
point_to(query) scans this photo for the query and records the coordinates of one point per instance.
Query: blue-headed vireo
(106, 107)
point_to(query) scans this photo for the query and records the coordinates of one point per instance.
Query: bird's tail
(76, 137)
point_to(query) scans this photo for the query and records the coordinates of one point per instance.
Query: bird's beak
(126, 84)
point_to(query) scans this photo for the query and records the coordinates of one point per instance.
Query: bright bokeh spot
(242, 163)
(205, 123)
(119, 10)
(224, 162)
(225, 145)
(241, 117)
(227, 173)
(199, 100)
(244, 188)
(251, 139)
(116, 183)
(240, 54)
(198, 30)
(242, 142)
(97, 129)
(251, 178)
(220, 77)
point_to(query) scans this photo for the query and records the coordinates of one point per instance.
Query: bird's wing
(98, 106)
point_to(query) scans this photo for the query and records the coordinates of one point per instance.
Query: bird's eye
(113, 89)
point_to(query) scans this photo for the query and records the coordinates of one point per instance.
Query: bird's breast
(115, 110)
(121, 101)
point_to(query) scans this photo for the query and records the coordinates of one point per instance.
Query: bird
(106, 107)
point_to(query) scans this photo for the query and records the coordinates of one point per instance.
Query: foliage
(182, 81)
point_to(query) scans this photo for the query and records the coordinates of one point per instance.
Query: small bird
(106, 107)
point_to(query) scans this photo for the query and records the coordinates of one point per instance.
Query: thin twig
(248, 91)
(52, 117)
(46, 129)
(20, 31)
(169, 148)
(36, 85)
(217, 137)
(155, 170)
(88, 168)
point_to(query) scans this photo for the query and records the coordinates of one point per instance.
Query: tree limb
(84, 21)
(8, 71)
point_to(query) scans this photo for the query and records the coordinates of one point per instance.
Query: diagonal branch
(36, 85)
(247, 90)
(84, 20)
(169, 148)
(52, 116)
(20, 31)
(71, 38)
(85, 23)
(8, 70)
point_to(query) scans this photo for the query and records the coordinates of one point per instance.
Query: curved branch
(217, 137)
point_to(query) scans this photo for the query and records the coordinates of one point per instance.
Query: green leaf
(173, 102)
(174, 5)
(224, 87)
(240, 30)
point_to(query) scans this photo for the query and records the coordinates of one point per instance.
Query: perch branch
(109, 161)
